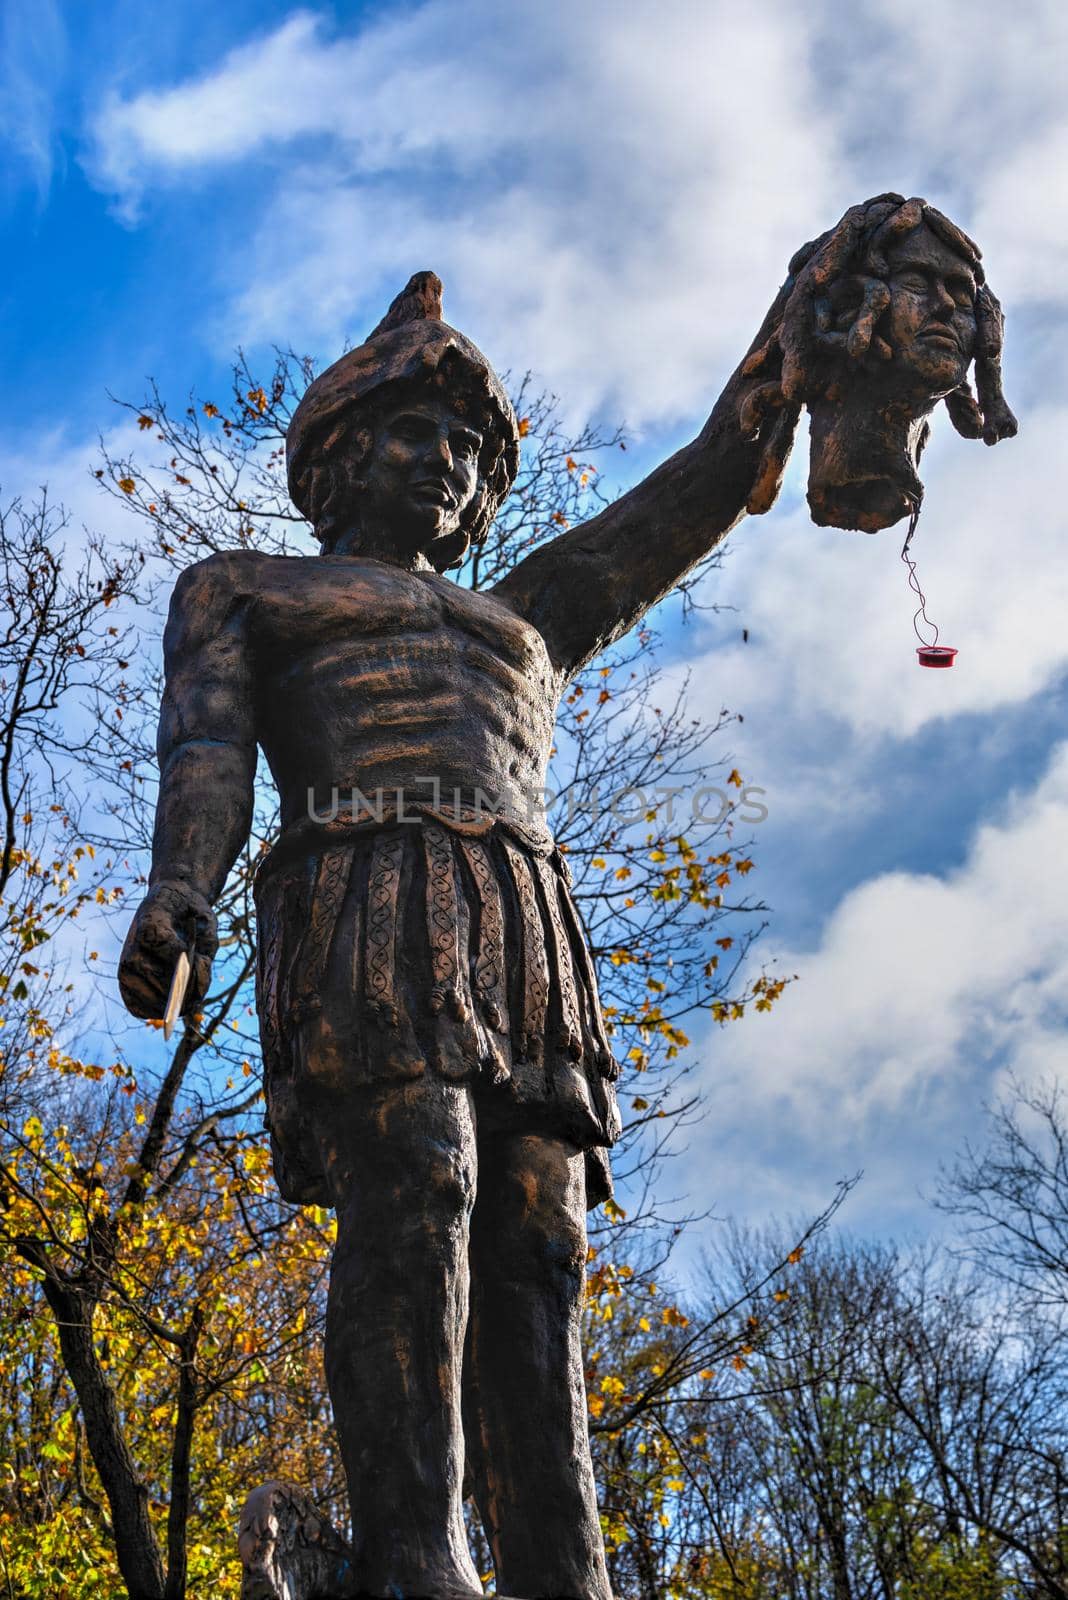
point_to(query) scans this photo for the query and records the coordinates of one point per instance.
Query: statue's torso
(371, 677)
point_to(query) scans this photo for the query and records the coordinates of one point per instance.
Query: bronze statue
(437, 1066)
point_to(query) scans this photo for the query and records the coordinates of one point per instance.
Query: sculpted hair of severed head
(834, 301)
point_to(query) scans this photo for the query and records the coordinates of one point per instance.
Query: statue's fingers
(956, 238)
(802, 257)
(199, 984)
(757, 407)
(775, 454)
(144, 980)
(875, 301)
(139, 995)
(206, 935)
(832, 256)
(764, 359)
(901, 220)
(964, 411)
(831, 260)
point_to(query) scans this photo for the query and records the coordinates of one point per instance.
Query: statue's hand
(171, 918)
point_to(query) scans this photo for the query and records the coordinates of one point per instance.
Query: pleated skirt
(417, 947)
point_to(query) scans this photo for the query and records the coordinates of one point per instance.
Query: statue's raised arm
(878, 320)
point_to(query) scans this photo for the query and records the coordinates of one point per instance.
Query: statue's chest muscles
(351, 626)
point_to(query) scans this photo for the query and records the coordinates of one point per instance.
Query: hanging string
(914, 583)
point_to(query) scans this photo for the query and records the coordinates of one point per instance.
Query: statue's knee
(540, 1211)
(412, 1205)
(444, 1175)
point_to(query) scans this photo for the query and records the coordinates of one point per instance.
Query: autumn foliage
(161, 1309)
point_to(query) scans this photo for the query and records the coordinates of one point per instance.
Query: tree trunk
(136, 1546)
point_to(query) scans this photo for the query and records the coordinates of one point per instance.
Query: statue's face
(423, 472)
(932, 312)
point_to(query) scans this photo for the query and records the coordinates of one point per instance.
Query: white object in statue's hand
(176, 998)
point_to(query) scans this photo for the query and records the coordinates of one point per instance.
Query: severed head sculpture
(883, 317)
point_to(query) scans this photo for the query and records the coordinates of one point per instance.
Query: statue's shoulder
(225, 574)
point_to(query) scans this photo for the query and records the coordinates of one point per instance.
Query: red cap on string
(930, 654)
(936, 655)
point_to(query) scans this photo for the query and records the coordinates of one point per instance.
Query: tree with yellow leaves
(171, 1303)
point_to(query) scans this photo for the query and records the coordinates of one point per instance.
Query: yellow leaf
(524, 427)
(795, 1255)
(127, 485)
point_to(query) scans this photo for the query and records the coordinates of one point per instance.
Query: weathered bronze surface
(885, 315)
(437, 1066)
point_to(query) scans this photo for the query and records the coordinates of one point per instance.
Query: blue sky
(611, 193)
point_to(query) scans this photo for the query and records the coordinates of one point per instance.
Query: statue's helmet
(410, 349)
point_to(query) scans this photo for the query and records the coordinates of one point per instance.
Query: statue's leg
(401, 1166)
(524, 1399)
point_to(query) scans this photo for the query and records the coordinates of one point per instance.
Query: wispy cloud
(33, 49)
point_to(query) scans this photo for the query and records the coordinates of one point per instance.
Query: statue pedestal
(289, 1550)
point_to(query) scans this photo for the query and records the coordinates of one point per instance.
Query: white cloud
(607, 201)
(610, 193)
(1022, 199)
(921, 994)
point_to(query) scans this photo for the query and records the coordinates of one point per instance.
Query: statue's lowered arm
(207, 758)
